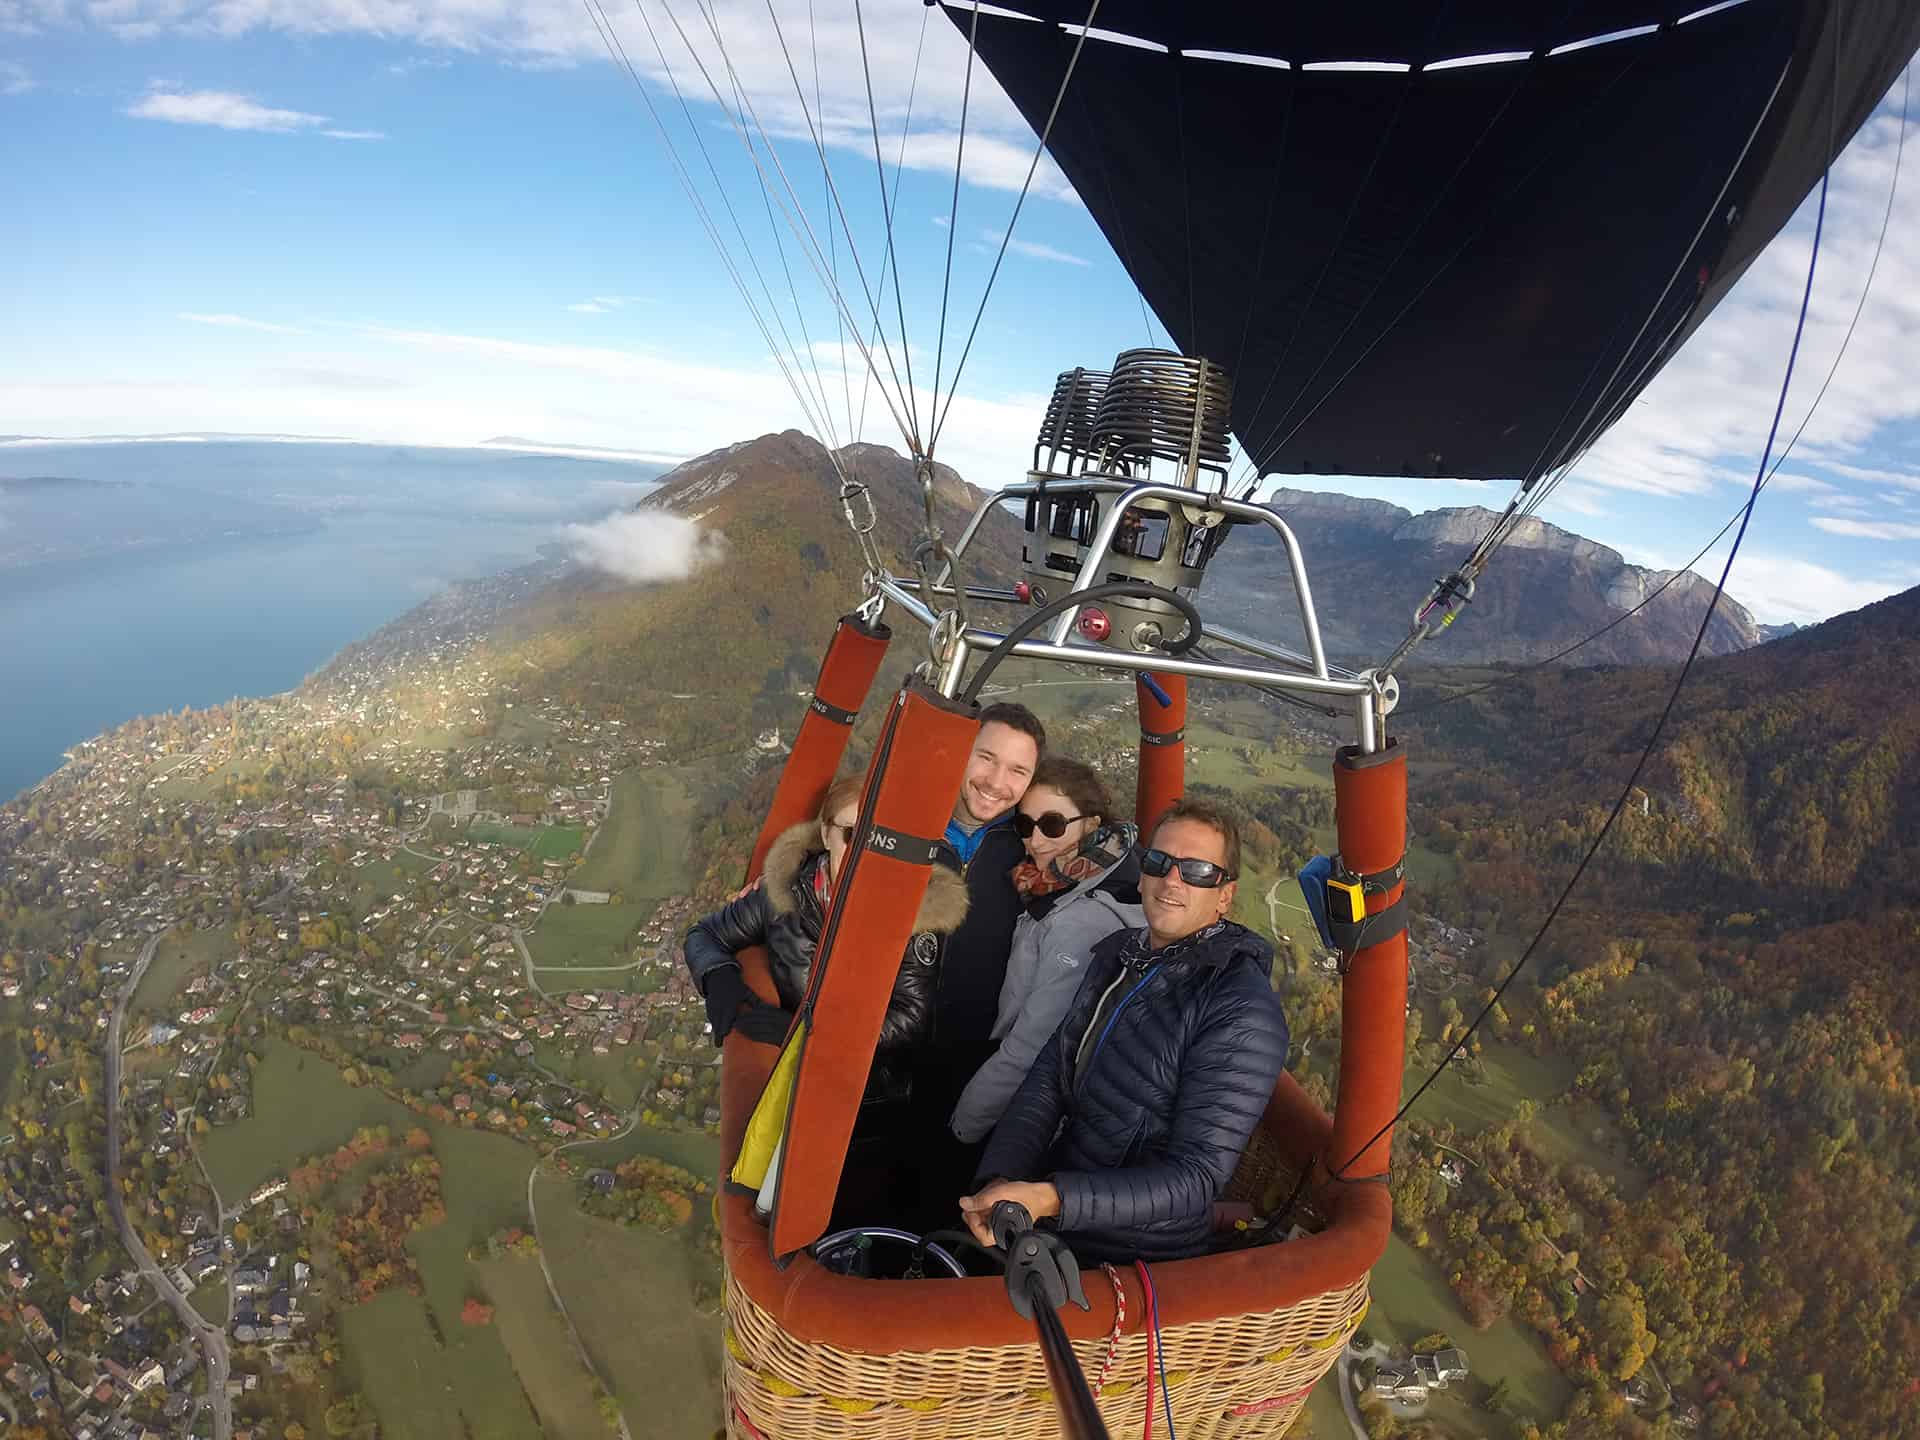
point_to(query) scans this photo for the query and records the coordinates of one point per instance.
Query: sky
(442, 221)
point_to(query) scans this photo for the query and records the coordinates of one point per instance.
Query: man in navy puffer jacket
(1131, 1122)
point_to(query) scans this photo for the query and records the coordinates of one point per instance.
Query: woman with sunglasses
(1078, 885)
(1128, 1127)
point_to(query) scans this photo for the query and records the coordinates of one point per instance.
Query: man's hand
(1041, 1197)
(746, 889)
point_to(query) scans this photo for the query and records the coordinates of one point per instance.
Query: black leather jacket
(1152, 1112)
(786, 913)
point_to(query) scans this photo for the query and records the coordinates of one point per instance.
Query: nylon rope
(1832, 370)
(814, 255)
(809, 241)
(886, 214)
(953, 212)
(616, 51)
(740, 230)
(839, 209)
(1006, 236)
(1679, 684)
(793, 293)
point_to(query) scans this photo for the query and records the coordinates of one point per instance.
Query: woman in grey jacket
(1078, 885)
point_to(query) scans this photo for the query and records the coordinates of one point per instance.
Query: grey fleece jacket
(1044, 970)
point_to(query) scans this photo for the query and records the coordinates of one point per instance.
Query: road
(213, 1343)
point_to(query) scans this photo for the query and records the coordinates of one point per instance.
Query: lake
(331, 542)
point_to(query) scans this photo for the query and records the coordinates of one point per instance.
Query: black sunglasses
(1052, 824)
(1202, 874)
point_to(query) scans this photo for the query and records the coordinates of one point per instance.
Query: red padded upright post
(1163, 749)
(1370, 813)
(911, 789)
(853, 658)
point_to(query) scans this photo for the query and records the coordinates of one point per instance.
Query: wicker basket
(1234, 1377)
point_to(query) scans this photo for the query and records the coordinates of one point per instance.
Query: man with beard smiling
(973, 966)
(1132, 1120)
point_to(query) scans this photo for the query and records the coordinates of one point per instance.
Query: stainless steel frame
(1286, 670)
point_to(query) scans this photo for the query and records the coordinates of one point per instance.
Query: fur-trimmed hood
(798, 850)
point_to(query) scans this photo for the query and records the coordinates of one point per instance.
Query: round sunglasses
(1052, 824)
(1202, 874)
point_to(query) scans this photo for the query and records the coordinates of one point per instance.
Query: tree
(476, 1312)
(1496, 1400)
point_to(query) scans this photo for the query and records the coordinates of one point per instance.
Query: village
(379, 916)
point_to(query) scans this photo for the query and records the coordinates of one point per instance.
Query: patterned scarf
(1102, 850)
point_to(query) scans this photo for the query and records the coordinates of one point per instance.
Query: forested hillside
(1733, 984)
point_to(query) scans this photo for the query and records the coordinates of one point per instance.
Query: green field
(302, 1105)
(514, 837)
(543, 1355)
(393, 1359)
(557, 842)
(641, 850)
(630, 1293)
(1511, 1075)
(640, 855)
(484, 1180)
(376, 883)
(210, 1299)
(177, 957)
(1411, 1299)
(588, 935)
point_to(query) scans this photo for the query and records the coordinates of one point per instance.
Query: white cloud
(1803, 484)
(240, 322)
(645, 546)
(601, 304)
(227, 110)
(551, 34)
(15, 78)
(418, 62)
(1705, 417)
(1778, 588)
(1867, 529)
(222, 108)
(941, 221)
(1035, 250)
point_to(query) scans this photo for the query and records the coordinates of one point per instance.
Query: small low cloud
(1867, 529)
(412, 63)
(1033, 249)
(1804, 484)
(601, 304)
(226, 110)
(240, 322)
(15, 78)
(645, 547)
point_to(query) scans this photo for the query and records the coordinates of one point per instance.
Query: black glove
(726, 995)
(763, 1022)
(731, 1005)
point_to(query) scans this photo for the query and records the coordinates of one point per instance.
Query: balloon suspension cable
(1666, 714)
(1833, 369)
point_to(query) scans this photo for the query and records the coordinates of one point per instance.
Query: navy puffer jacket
(1141, 1122)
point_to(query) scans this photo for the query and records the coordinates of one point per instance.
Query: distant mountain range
(1372, 563)
(792, 568)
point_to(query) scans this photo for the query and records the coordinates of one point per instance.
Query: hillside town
(211, 886)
